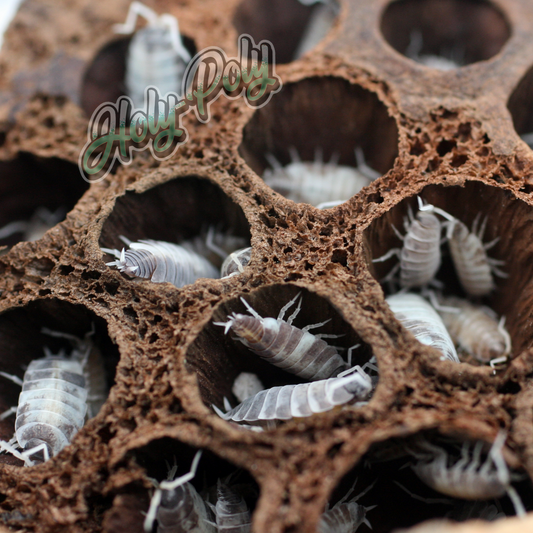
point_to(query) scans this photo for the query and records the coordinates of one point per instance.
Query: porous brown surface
(452, 137)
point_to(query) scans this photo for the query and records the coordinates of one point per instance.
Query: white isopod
(156, 56)
(474, 268)
(305, 399)
(466, 477)
(317, 183)
(51, 408)
(36, 226)
(417, 316)
(245, 385)
(161, 261)
(177, 506)
(475, 329)
(448, 60)
(279, 342)
(231, 511)
(235, 262)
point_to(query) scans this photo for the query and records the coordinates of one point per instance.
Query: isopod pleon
(279, 342)
(305, 399)
(474, 268)
(161, 261)
(466, 477)
(417, 316)
(317, 182)
(231, 511)
(245, 385)
(475, 329)
(156, 56)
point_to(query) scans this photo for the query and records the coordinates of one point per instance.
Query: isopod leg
(136, 10)
(8, 447)
(284, 309)
(14, 379)
(9, 412)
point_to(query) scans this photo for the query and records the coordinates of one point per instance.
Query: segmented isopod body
(417, 316)
(279, 342)
(245, 385)
(475, 329)
(235, 262)
(316, 182)
(474, 268)
(232, 513)
(466, 477)
(161, 261)
(156, 56)
(420, 255)
(294, 401)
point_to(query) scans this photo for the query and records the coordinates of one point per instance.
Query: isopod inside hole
(218, 359)
(23, 340)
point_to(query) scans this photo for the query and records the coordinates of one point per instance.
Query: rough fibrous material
(451, 137)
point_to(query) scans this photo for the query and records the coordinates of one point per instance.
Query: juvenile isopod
(245, 385)
(305, 399)
(156, 56)
(51, 408)
(466, 477)
(231, 511)
(279, 342)
(318, 183)
(474, 268)
(475, 329)
(417, 316)
(177, 506)
(161, 261)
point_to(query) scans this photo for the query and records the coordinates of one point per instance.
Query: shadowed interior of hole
(21, 341)
(103, 81)
(520, 104)
(156, 456)
(465, 31)
(218, 359)
(508, 218)
(282, 22)
(174, 211)
(29, 182)
(321, 113)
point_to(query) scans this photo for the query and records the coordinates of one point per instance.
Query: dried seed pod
(316, 182)
(156, 57)
(417, 316)
(245, 385)
(475, 329)
(161, 261)
(474, 268)
(466, 477)
(232, 513)
(235, 262)
(279, 342)
(294, 401)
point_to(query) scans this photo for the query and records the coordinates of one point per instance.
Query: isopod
(231, 511)
(245, 385)
(177, 506)
(346, 515)
(305, 399)
(51, 408)
(36, 226)
(156, 56)
(417, 316)
(439, 62)
(466, 477)
(235, 262)
(420, 255)
(475, 329)
(279, 342)
(316, 182)
(474, 268)
(161, 261)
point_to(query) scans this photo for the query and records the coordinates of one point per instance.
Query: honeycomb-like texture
(451, 137)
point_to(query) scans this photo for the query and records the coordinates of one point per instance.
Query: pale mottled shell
(52, 404)
(285, 346)
(152, 60)
(231, 511)
(293, 401)
(342, 518)
(471, 261)
(417, 316)
(182, 510)
(162, 261)
(420, 256)
(476, 331)
(245, 385)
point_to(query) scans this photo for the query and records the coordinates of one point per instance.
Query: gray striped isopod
(305, 399)
(279, 342)
(161, 261)
(156, 56)
(231, 511)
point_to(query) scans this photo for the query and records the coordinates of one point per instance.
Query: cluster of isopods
(448, 321)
